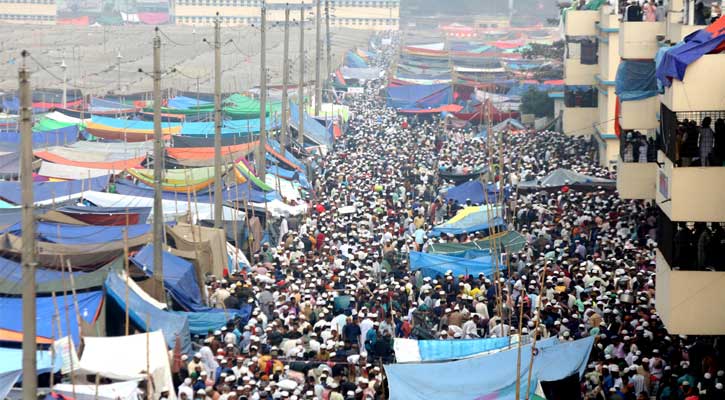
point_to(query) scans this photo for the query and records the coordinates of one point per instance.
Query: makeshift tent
(54, 137)
(51, 280)
(200, 323)
(636, 80)
(11, 360)
(410, 350)
(509, 241)
(352, 59)
(434, 265)
(48, 192)
(238, 106)
(70, 172)
(188, 103)
(491, 376)
(469, 220)
(419, 96)
(360, 73)
(314, 131)
(675, 61)
(561, 177)
(7, 381)
(89, 306)
(107, 215)
(77, 234)
(142, 310)
(473, 191)
(180, 278)
(126, 390)
(131, 356)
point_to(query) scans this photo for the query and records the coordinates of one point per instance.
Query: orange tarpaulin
(17, 337)
(206, 153)
(109, 165)
(282, 158)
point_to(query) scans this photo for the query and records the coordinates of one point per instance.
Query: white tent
(115, 391)
(126, 358)
(70, 172)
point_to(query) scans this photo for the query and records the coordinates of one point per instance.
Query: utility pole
(64, 67)
(301, 86)
(119, 57)
(158, 228)
(284, 139)
(328, 41)
(318, 57)
(217, 123)
(262, 149)
(30, 377)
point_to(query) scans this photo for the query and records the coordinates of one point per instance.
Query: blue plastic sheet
(410, 96)
(492, 376)
(473, 190)
(354, 60)
(89, 304)
(140, 311)
(12, 360)
(12, 271)
(43, 191)
(184, 102)
(7, 381)
(81, 234)
(55, 137)
(200, 323)
(676, 60)
(433, 265)
(313, 129)
(179, 276)
(278, 148)
(239, 192)
(439, 350)
(636, 80)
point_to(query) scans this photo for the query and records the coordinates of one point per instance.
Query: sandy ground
(90, 54)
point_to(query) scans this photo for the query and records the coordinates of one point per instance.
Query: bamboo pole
(126, 268)
(536, 332)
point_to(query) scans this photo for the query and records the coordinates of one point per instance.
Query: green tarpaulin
(510, 241)
(47, 124)
(238, 106)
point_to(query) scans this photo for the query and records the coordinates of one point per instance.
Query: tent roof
(561, 177)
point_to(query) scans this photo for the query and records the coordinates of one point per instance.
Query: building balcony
(690, 302)
(675, 30)
(638, 40)
(700, 89)
(581, 23)
(636, 180)
(690, 193)
(639, 114)
(576, 73)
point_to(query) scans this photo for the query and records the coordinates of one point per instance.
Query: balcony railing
(691, 246)
(693, 138)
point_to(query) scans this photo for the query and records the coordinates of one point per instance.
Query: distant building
(28, 11)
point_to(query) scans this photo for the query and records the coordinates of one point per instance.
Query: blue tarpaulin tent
(432, 265)
(636, 80)
(419, 96)
(239, 192)
(89, 304)
(12, 360)
(81, 234)
(140, 311)
(473, 190)
(200, 323)
(54, 137)
(492, 376)
(44, 191)
(314, 131)
(7, 381)
(184, 102)
(179, 276)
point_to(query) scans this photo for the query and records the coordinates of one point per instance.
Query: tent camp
(491, 376)
(469, 220)
(411, 350)
(131, 355)
(509, 241)
(566, 177)
(473, 191)
(433, 265)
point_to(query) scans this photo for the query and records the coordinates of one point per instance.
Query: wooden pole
(262, 149)
(318, 57)
(158, 223)
(284, 139)
(217, 123)
(301, 84)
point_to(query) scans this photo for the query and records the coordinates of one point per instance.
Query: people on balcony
(650, 11)
(633, 12)
(701, 248)
(639, 148)
(707, 141)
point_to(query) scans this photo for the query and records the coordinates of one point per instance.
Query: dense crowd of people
(333, 292)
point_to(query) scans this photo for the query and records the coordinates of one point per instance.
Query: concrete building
(690, 298)
(358, 14)
(28, 11)
(590, 68)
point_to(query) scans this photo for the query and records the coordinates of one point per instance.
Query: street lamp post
(64, 99)
(118, 62)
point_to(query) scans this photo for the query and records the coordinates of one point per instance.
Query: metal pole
(64, 100)
(30, 377)
(217, 123)
(158, 228)
(262, 149)
(301, 86)
(328, 41)
(318, 57)
(285, 79)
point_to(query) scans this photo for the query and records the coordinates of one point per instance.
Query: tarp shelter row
(410, 350)
(470, 220)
